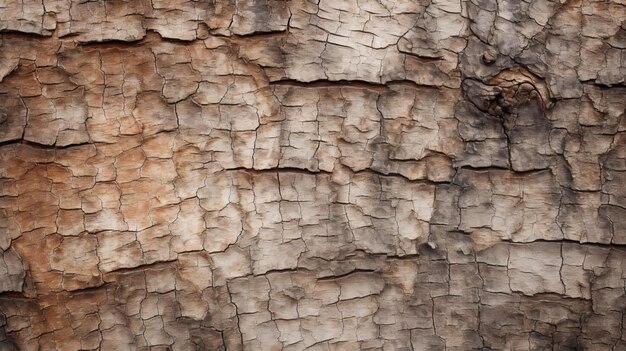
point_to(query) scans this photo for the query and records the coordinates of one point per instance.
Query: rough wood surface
(312, 175)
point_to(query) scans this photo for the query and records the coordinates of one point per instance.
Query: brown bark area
(312, 175)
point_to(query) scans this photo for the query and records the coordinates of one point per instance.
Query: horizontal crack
(256, 35)
(570, 241)
(333, 277)
(40, 145)
(16, 33)
(361, 84)
(498, 168)
(89, 289)
(155, 265)
(321, 172)
(12, 295)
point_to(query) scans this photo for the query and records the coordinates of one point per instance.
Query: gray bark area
(312, 175)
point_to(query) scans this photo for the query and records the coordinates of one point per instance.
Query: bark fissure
(296, 175)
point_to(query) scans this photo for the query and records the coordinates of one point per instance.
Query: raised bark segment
(312, 175)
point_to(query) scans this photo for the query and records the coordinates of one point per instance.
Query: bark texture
(312, 175)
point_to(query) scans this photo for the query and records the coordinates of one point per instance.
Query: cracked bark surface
(312, 175)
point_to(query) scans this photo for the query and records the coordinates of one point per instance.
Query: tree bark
(312, 175)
